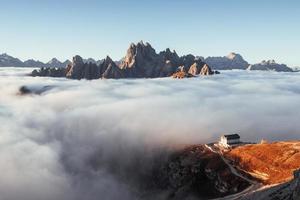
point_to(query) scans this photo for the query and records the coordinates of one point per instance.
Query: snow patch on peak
(233, 56)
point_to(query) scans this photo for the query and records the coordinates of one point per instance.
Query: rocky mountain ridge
(141, 61)
(236, 61)
(229, 62)
(232, 61)
(270, 65)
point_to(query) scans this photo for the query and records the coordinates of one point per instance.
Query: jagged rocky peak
(76, 68)
(105, 64)
(77, 60)
(187, 61)
(145, 50)
(137, 52)
(109, 69)
(206, 70)
(195, 68)
(168, 55)
(141, 61)
(108, 59)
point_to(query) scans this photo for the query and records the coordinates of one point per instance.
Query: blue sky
(257, 29)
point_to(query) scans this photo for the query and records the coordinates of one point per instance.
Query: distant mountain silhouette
(232, 61)
(9, 61)
(270, 65)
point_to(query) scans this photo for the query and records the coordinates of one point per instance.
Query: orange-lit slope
(271, 162)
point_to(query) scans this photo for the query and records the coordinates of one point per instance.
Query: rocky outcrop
(187, 61)
(108, 69)
(181, 75)
(79, 69)
(36, 89)
(170, 61)
(76, 68)
(196, 68)
(205, 71)
(52, 72)
(168, 55)
(270, 65)
(141, 61)
(232, 61)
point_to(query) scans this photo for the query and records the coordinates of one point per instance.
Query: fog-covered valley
(91, 139)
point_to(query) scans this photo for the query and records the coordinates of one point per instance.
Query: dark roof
(232, 136)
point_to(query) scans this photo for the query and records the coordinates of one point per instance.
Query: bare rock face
(91, 71)
(187, 61)
(206, 70)
(104, 65)
(171, 62)
(141, 61)
(78, 69)
(196, 68)
(167, 69)
(110, 69)
(169, 55)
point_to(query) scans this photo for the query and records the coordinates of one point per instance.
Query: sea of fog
(47, 141)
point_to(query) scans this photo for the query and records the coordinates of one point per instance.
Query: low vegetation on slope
(271, 163)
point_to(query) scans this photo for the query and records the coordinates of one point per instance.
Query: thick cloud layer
(81, 139)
